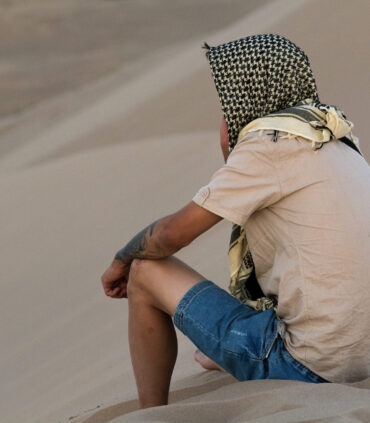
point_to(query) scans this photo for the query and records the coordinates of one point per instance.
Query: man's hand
(115, 279)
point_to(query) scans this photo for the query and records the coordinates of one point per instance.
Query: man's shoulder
(254, 147)
(260, 136)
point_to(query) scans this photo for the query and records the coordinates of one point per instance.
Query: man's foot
(206, 362)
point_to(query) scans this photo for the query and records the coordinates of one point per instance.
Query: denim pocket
(279, 330)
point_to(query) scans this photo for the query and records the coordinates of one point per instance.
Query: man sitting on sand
(296, 188)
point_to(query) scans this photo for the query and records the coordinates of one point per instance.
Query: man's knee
(139, 273)
(138, 267)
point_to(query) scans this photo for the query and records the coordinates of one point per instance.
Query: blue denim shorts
(245, 342)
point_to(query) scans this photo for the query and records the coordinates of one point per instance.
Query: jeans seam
(179, 313)
(268, 348)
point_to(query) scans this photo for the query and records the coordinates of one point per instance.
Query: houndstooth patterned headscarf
(258, 75)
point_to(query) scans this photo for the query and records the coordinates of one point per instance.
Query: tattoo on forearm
(142, 245)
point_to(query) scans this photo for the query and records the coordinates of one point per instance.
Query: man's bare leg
(155, 288)
(206, 362)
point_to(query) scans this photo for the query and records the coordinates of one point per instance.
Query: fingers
(114, 280)
(118, 292)
(115, 288)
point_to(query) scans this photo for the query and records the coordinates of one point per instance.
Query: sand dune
(49, 47)
(77, 175)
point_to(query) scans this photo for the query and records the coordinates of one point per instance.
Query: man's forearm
(147, 244)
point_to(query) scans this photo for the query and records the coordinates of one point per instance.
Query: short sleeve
(246, 183)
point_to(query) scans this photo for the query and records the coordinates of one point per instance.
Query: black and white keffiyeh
(258, 75)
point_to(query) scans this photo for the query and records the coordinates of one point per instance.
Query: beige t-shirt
(307, 220)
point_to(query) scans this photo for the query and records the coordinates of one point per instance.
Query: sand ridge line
(116, 104)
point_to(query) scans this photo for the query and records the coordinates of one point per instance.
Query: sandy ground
(100, 134)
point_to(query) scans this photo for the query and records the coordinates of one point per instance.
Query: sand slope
(84, 171)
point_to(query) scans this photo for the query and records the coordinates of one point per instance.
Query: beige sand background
(109, 120)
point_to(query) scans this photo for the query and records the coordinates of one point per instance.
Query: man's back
(306, 220)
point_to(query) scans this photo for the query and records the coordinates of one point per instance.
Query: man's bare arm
(142, 245)
(168, 235)
(158, 240)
